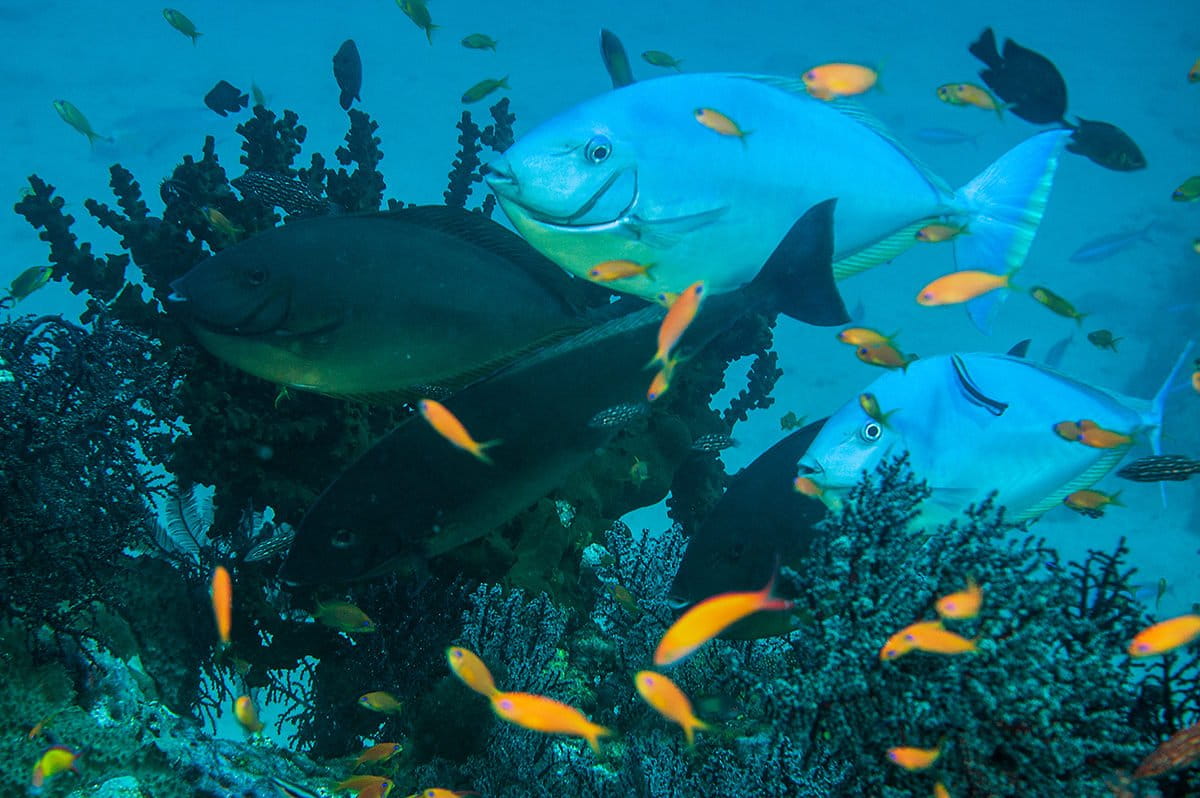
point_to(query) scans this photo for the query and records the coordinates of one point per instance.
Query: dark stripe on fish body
(993, 406)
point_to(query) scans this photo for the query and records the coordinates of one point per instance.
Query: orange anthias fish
(936, 640)
(914, 758)
(862, 336)
(709, 618)
(380, 752)
(940, 791)
(222, 601)
(969, 94)
(1166, 635)
(54, 760)
(247, 715)
(379, 701)
(662, 380)
(380, 789)
(829, 81)
(1090, 501)
(680, 315)
(445, 423)
(904, 641)
(543, 714)
(806, 486)
(885, 355)
(343, 616)
(441, 792)
(366, 786)
(937, 233)
(470, 669)
(1180, 750)
(611, 270)
(963, 604)
(670, 702)
(716, 121)
(958, 287)
(1092, 434)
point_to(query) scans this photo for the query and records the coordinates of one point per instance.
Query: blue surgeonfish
(977, 423)
(631, 175)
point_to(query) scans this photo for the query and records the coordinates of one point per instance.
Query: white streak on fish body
(704, 205)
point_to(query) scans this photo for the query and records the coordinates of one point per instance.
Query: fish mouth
(506, 185)
(809, 468)
(267, 316)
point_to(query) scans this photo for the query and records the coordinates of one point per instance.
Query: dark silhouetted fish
(759, 521)
(411, 496)
(225, 98)
(380, 306)
(1161, 468)
(616, 60)
(347, 71)
(1106, 145)
(714, 442)
(619, 415)
(281, 191)
(1029, 82)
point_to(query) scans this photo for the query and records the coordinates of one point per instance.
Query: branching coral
(362, 189)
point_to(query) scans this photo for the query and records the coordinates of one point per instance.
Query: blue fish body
(977, 423)
(633, 175)
(945, 135)
(1105, 247)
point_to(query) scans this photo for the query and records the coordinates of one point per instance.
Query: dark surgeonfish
(616, 60)
(1029, 82)
(225, 98)
(347, 71)
(760, 522)
(411, 496)
(379, 306)
(1160, 468)
(1105, 144)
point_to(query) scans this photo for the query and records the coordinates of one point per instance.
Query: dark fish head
(235, 294)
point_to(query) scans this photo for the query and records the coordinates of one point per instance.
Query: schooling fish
(75, 118)
(179, 21)
(379, 701)
(468, 667)
(830, 81)
(225, 98)
(446, 424)
(29, 281)
(631, 175)
(974, 423)
(1165, 635)
(273, 546)
(543, 714)
(660, 59)
(222, 602)
(969, 94)
(1106, 246)
(1029, 82)
(418, 12)
(381, 752)
(479, 41)
(704, 621)
(343, 616)
(347, 71)
(1056, 303)
(616, 61)
(282, 192)
(669, 701)
(483, 88)
(963, 604)
(1105, 144)
(358, 306)
(914, 758)
(714, 442)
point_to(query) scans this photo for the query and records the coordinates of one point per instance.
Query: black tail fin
(797, 279)
(984, 48)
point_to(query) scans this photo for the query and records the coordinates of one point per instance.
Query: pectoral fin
(666, 233)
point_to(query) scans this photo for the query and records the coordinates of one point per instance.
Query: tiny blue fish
(1105, 247)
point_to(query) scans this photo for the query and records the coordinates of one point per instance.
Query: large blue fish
(633, 175)
(974, 423)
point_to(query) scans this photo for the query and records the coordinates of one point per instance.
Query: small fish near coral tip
(911, 758)
(225, 98)
(220, 222)
(347, 72)
(546, 715)
(29, 281)
(54, 760)
(830, 81)
(680, 316)
(247, 715)
(380, 752)
(669, 701)
(179, 21)
(380, 701)
(885, 356)
(662, 380)
(468, 667)
(446, 424)
(707, 619)
(963, 604)
(343, 616)
(1165, 636)
(222, 602)
(483, 88)
(714, 442)
(1180, 750)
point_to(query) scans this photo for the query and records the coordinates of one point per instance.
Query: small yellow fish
(366, 786)
(543, 714)
(716, 121)
(1092, 434)
(969, 94)
(862, 336)
(1166, 635)
(679, 317)
(707, 619)
(870, 406)
(178, 21)
(479, 41)
(1056, 303)
(940, 791)
(806, 486)
(247, 715)
(343, 616)
(962, 286)
(29, 281)
(660, 59)
(936, 233)
(221, 223)
(884, 355)
(75, 118)
(936, 640)
(830, 81)
(611, 270)
(381, 752)
(914, 758)
(665, 696)
(222, 602)
(380, 701)
(445, 423)
(418, 12)
(468, 667)
(622, 596)
(483, 88)
(963, 604)
(1188, 191)
(905, 640)
(54, 760)
(662, 380)
(1090, 502)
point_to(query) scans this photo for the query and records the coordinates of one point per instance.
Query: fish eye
(256, 277)
(871, 432)
(343, 539)
(598, 149)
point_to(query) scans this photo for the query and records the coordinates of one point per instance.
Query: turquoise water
(142, 83)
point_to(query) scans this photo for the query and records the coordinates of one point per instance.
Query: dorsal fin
(973, 392)
(1020, 348)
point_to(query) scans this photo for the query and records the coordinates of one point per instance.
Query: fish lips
(266, 316)
(611, 202)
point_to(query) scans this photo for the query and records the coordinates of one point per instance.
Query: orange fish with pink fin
(543, 714)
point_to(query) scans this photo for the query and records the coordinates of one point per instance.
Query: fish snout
(809, 468)
(499, 174)
(177, 295)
